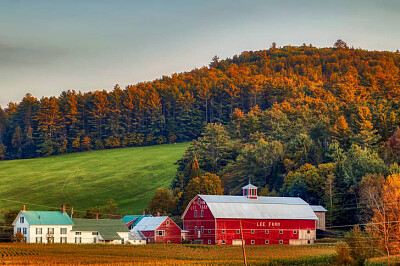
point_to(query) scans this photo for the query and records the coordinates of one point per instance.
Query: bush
(343, 256)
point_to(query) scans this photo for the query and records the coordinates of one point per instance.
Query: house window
(50, 230)
(95, 233)
(39, 239)
(63, 231)
(24, 231)
(281, 241)
(209, 231)
(63, 239)
(223, 241)
(78, 233)
(160, 233)
(201, 213)
(202, 229)
(21, 219)
(223, 231)
(280, 231)
(267, 231)
(209, 241)
(78, 240)
(38, 231)
(253, 242)
(19, 230)
(195, 229)
(237, 231)
(95, 240)
(198, 201)
(266, 242)
(167, 222)
(294, 231)
(195, 214)
(252, 231)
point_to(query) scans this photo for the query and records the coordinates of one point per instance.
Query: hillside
(130, 176)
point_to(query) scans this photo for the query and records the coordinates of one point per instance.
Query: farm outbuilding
(217, 219)
(159, 229)
(320, 212)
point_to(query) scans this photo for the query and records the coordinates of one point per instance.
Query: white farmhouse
(44, 226)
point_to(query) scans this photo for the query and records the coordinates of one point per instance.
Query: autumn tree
(162, 202)
(386, 214)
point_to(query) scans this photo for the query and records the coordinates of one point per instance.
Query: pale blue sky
(47, 46)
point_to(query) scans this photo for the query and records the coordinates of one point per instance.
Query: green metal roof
(107, 228)
(47, 218)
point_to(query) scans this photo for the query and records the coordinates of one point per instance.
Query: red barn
(217, 220)
(159, 229)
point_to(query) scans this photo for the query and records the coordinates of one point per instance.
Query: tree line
(178, 107)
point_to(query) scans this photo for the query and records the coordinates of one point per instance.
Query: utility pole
(244, 251)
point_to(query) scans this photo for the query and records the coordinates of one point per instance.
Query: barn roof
(46, 218)
(241, 207)
(107, 228)
(136, 235)
(318, 208)
(133, 219)
(150, 223)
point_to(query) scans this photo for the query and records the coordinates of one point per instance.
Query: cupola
(250, 191)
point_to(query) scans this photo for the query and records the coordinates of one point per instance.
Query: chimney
(23, 208)
(158, 213)
(97, 216)
(144, 213)
(63, 208)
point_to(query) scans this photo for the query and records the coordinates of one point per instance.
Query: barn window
(266, 242)
(252, 231)
(167, 222)
(308, 242)
(237, 231)
(160, 233)
(209, 241)
(267, 231)
(308, 231)
(198, 201)
(294, 231)
(195, 214)
(38, 231)
(202, 229)
(281, 241)
(195, 229)
(280, 231)
(201, 213)
(209, 230)
(223, 241)
(223, 231)
(169, 242)
(21, 219)
(253, 242)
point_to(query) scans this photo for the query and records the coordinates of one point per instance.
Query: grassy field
(130, 176)
(44, 254)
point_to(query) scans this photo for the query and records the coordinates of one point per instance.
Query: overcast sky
(47, 46)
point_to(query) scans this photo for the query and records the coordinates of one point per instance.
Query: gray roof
(233, 207)
(318, 208)
(249, 186)
(136, 235)
(150, 223)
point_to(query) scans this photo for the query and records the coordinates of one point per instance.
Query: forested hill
(337, 92)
